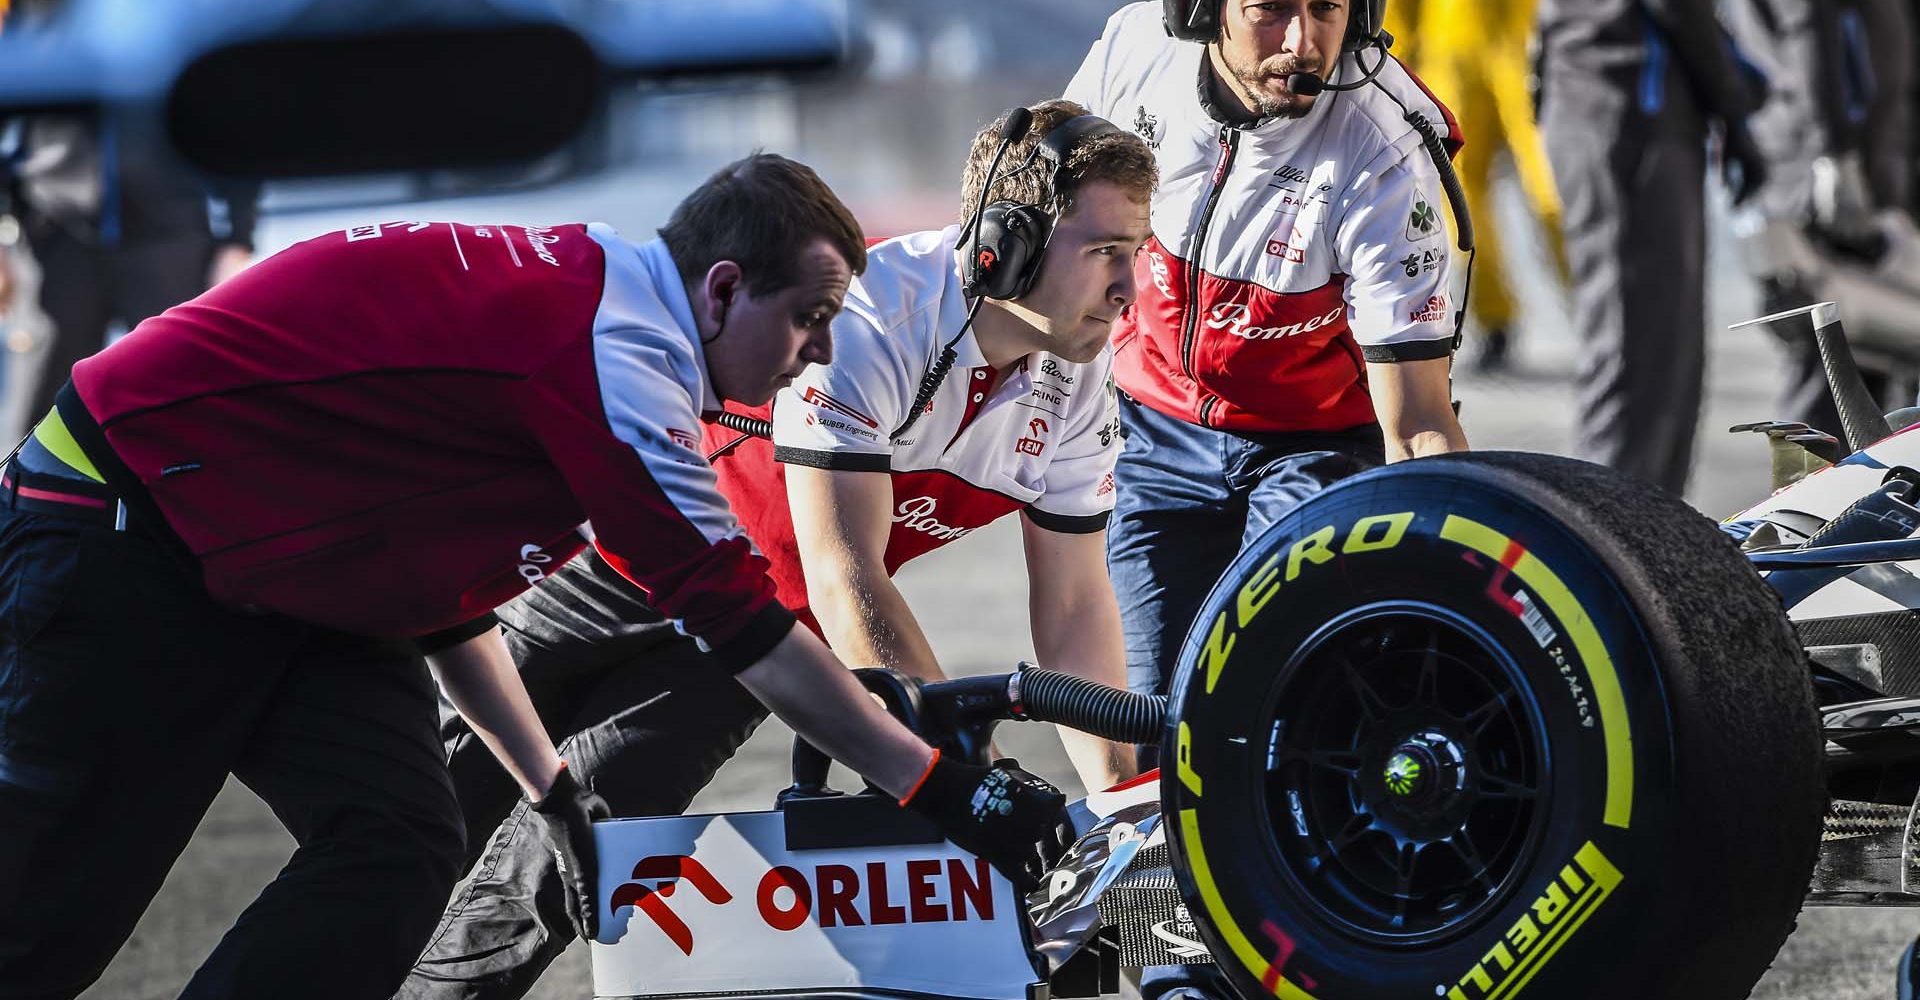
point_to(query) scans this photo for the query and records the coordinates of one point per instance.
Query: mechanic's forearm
(1413, 400)
(802, 682)
(1084, 639)
(1432, 441)
(867, 622)
(480, 679)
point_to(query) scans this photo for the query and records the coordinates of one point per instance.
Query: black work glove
(566, 818)
(1058, 839)
(1002, 814)
(1742, 166)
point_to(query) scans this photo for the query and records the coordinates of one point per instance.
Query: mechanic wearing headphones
(1294, 300)
(217, 552)
(968, 381)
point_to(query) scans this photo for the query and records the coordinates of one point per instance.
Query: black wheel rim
(1407, 773)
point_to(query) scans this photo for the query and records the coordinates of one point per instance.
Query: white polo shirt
(1041, 437)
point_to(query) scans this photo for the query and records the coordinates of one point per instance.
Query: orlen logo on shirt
(1033, 444)
(1286, 251)
(833, 896)
(917, 514)
(1232, 317)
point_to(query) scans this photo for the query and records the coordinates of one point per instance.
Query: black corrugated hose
(744, 424)
(1091, 707)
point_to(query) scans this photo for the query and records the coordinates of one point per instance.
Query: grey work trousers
(641, 715)
(1631, 173)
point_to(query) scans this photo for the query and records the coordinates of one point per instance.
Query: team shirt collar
(665, 275)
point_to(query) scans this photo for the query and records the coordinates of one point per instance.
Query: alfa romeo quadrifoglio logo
(912, 892)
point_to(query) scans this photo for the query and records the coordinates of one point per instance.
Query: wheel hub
(1405, 773)
(1429, 769)
(1408, 774)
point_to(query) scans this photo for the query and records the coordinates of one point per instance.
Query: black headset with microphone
(1199, 21)
(1004, 242)
(1001, 246)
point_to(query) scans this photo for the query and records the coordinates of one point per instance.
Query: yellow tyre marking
(1600, 673)
(1237, 940)
(1606, 878)
(1183, 759)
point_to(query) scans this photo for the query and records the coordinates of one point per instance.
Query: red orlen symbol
(1032, 445)
(664, 870)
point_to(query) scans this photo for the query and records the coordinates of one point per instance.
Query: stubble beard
(1265, 104)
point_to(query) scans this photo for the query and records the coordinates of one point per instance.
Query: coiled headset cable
(1310, 85)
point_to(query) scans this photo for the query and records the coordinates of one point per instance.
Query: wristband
(924, 775)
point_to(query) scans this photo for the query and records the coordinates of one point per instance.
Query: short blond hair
(1121, 158)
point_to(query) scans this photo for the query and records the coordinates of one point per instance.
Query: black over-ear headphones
(1199, 21)
(1001, 253)
(1001, 247)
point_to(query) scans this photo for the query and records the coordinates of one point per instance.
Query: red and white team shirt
(393, 429)
(1040, 437)
(1284, 256)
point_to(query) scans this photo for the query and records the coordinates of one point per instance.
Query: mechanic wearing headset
(217, 552)
(968, 381)
(1294, 300)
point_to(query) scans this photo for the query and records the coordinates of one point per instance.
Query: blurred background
(105, 225)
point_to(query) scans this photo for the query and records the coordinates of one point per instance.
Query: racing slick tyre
(1491, 726)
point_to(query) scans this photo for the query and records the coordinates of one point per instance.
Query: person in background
(1834, 222)
(1631, 90)
(121, 227)
(1474, 55)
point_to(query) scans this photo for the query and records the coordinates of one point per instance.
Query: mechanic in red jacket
(1296, 323)
(1294, 301)
(222, 550)
(847, 489)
